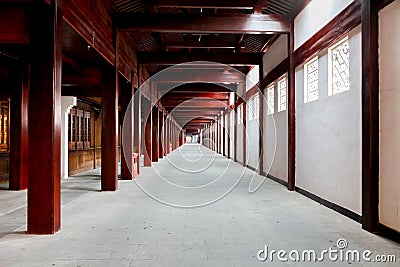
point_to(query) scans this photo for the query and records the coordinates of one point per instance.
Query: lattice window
(338, 67)
(240, 114)
(250, 108)
(282, 88)
(79, 129)
(4, 125)
(311, 80)
(270, 99)
(253, 107)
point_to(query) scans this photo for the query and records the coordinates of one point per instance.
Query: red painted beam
(195, 23)
(14, 25)
(173, 58)
(220, 4)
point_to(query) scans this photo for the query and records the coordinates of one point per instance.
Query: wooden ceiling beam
(201, 44)
(81, 91)
(199, 102)
(191, 95)
(199, 76)
(220, 4)
(173, 58)
(201, 23)
(199, 87)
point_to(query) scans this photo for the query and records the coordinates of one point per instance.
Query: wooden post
(109, 133)
(165, 123)
(235, 139)
(219, 135)
(229, 133)
(147, 115)
(19, 131)
(137, 141)
(244, 133)
(45, 119)
(155, 137)
(370, 116)
(160, 134)
(127, 135)
(261, 120)
(291, 112)
(223, 134)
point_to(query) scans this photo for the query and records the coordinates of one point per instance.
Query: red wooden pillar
(19, 131)
(147, 113)
(291, 112)
(165, 123)
(127, 133)
(229, 133)
(155, 137)
(109, 133)
(244, 133)
(181, 138)
(45, 119)
(137, 121)
(370, 115)
(160, 134)
(261, 120)
(212, 136)
(220, 134)
(235, 139)
(171, 136)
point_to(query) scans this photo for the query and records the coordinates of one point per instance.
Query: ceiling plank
(172, 58)
(201, 23)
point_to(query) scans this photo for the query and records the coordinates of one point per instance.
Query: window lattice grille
(282, 87)
(339, 72)
(311, 80)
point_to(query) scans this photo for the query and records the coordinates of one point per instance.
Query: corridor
(132, 227)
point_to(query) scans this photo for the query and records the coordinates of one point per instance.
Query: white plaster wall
(239, 144)
(232, 137)
(316, 15)
(252, 135)
(328, 135)
(279, 167)
(67, 102)
(275, 126)
(276, 142)
(252, 78)
(389, 65)
(275, 54)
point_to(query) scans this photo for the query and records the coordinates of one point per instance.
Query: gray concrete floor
(192, 208)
